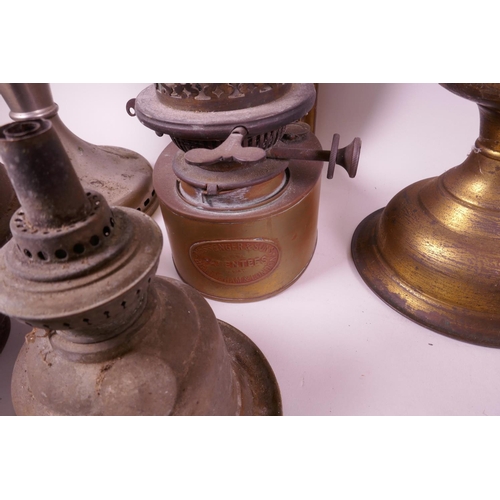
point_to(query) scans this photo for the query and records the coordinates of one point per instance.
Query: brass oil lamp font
(239, 185)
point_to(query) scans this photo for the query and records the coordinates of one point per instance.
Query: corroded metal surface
(109, 338)
(122, 176)
(196, 128)
(168, 363)
(310, 118)
(433, 253)
(263, 397)
(219, 96)
(8, 205)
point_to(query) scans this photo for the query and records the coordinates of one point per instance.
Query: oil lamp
(109, 337)
(122, 176)
(433, 252)
(239, 185)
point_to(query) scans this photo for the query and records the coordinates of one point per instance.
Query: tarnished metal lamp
(109, 337)
(122, 176)
(433, 253)
(239, 186)
(8, 205)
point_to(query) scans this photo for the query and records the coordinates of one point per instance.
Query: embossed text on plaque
(235, 262)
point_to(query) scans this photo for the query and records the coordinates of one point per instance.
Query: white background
(335, 347)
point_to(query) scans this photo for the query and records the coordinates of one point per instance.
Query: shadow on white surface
(8, 357)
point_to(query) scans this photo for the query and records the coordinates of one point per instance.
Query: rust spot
(101, 376)
(31, 336)
(48, 363)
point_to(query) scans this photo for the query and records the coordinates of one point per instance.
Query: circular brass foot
(411, 299)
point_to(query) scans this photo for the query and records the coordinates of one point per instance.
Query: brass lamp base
(475, 327)
(433, 253)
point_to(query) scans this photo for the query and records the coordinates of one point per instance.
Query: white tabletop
(335, 347)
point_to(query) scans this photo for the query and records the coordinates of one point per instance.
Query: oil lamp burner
(239, 185)
(109, 337)
(122, 176)
(433, 253)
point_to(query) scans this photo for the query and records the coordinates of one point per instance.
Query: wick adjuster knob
(347, 157)
(230, 150)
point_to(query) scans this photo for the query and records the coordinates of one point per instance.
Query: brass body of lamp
(239, 185)
(433, 253)
(109, 337)
(122, 176)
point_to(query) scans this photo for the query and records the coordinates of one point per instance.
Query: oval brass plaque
(235, 262)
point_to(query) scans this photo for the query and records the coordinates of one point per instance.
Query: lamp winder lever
(230, 150)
